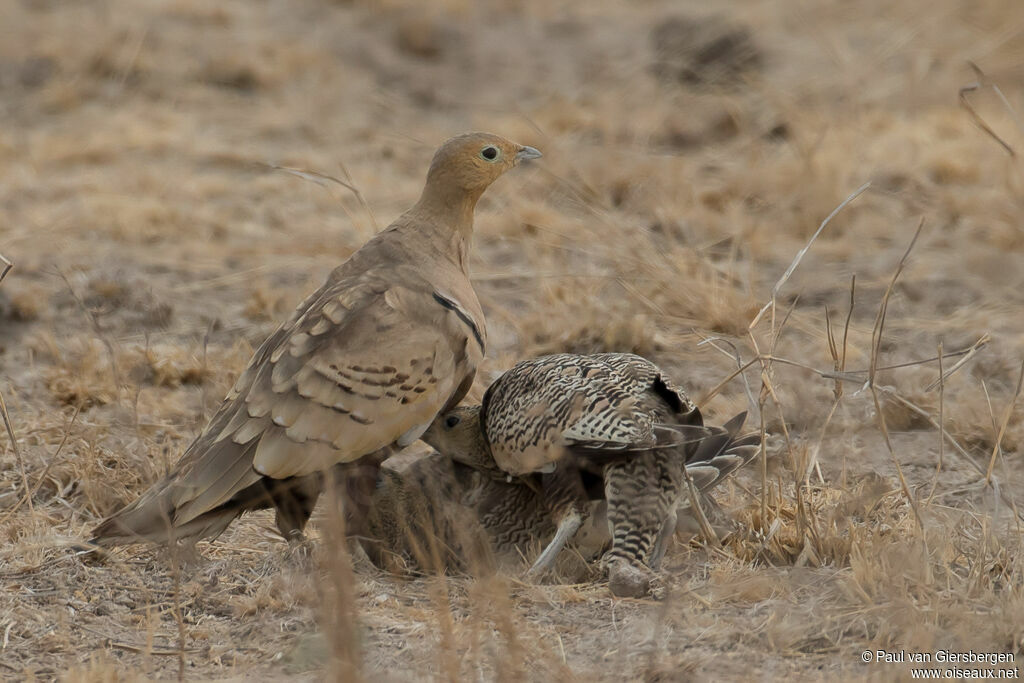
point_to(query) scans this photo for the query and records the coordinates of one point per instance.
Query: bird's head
(458, 434)
(470, 163)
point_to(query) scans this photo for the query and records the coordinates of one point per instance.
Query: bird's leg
(355, 483)
(566, 499)
(293, 500)
(661, 543)
(642, 494)
(567, 528)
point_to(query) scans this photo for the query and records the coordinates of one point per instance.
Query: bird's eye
(451, 421)
(490, 153)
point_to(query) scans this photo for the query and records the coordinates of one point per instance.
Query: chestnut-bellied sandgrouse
(580, 427)
(365, 363)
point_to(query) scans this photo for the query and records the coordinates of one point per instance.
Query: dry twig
(322, 179)
(978, 121)
(942, 441)
(1002, 427)
(97, 328)
(800, 254)
(27, 498)
(7, 265)
(876, 345)
(705, 527)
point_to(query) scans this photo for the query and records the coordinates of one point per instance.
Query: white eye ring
(490, 153)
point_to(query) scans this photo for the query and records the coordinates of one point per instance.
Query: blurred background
(691, 149)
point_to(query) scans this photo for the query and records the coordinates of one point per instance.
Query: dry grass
(154, 247)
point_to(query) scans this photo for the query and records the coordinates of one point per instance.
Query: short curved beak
(527, 153)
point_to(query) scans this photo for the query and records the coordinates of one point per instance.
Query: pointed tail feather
(152, 518)
(722, 453)
(124, 531)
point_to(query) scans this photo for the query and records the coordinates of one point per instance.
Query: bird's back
(608, 403)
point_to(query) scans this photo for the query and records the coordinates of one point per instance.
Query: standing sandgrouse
(605, 425)
(364, 363)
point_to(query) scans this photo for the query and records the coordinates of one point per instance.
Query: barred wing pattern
(600, 402)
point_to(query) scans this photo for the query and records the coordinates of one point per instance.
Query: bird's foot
(300, 551)
(629, 580)
(91, 554)
(536, 574)
(181, 556)
(360, 559)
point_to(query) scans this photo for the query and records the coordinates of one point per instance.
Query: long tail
(151, 518)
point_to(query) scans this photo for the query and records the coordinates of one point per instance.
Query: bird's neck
(448, 214)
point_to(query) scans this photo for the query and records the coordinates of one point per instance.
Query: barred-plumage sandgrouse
(365, 363)
(604, 425)
(438, 514)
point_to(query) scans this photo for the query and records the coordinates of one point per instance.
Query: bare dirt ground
(689, 156)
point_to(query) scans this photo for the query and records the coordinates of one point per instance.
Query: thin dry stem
(705, 528)
(97, 329)
(862, 376)
(856, 376)
(27, 498)
(978, 121)
(7, 420)
(876, 345)
(740, 367)
(17, 453)
(176, 607)
(715, 390)
(849, 317)
(942, 441)
(967, 354)
(1002, 427)
(800, 254)
(322, 179)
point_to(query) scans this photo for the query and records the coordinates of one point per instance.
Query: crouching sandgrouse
(579, 427)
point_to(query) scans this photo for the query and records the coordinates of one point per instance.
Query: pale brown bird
(605, 425)
(364, 363)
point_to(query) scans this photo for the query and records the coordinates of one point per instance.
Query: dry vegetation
(688, 160)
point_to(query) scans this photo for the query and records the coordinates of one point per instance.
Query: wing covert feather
(541, 407)
(361, 366)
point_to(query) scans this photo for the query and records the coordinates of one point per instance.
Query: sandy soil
(689, 157)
